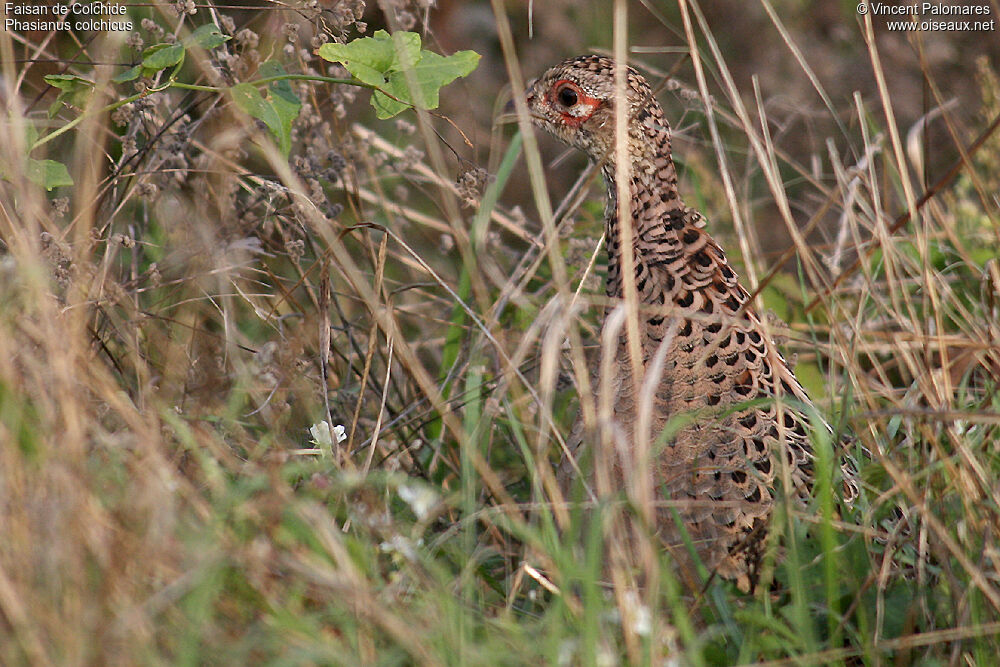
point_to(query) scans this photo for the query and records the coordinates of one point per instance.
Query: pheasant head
(575, 101)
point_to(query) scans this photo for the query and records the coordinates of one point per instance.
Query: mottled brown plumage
(718, 364)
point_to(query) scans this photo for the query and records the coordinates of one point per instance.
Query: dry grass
(174, 323)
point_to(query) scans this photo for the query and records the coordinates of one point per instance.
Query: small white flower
(963, 427)
(642, 624)
(401, 545)
(641, 620)
(323, 435)
(568, 650)
(606, 657)
(419, 497)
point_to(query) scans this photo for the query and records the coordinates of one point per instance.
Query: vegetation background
(259, 408)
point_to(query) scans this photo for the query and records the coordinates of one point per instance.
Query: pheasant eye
(567, 96)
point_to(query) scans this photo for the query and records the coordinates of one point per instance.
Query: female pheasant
(715, 362)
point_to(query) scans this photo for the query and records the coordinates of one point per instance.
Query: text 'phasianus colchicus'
(716, 364)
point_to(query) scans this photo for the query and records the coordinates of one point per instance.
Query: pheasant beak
(509, 112)
(530, 90)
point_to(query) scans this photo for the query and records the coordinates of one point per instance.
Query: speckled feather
(717, 357)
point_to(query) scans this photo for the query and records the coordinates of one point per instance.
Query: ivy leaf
(30, 133)
(48, 173)
(282, 90)
(278, 110)
(162, 56)
(207, 36)
(250, 101)
(74, 91)
(67, 82)
(128, 75)
(430, 74)
(371, 59)
(392, 63)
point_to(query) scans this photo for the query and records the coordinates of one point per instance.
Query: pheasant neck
(654, 205)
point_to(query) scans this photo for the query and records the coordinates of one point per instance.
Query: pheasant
(697, 330)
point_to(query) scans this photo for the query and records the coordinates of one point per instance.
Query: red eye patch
(566, 98)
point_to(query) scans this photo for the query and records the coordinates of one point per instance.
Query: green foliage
(48, 173)
(207, 36)
(161, 56)
(164, 55)
(402, 73)
(74, 91)
(278, 110)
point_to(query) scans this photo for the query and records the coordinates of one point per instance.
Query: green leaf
(67, 82)
(370, 59)
(393, 63)
(161, 56)
(435, 71)
(278, 110)
(281, 89)
(74, 91)
(386, 107)
(128, 75)
(48, 173)
(30, 133)
(207, 36)
(429, 75)
(250, 101)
